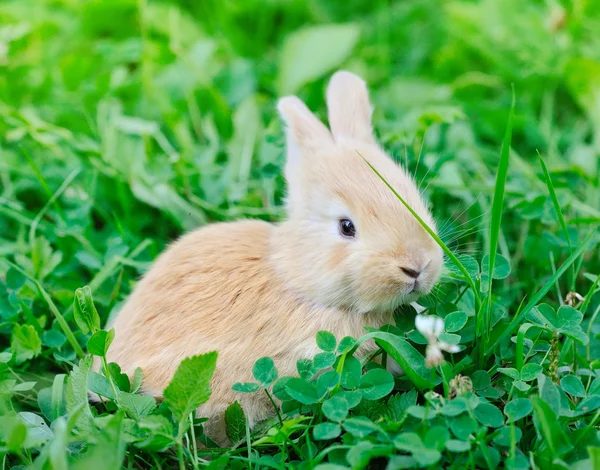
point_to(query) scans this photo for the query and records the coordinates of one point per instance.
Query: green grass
(125, 123)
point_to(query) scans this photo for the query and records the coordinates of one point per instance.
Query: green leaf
(159, 433)
(422, 412)
(353, 397)
(591, 403)
(549, 393)
(235, 422)
(327, 382)
(15, 279)
(361, 454)
(137, 380)
(136, 406)
(501, 269)
(548, 427)
(76, 395)
(53, 339)
(453, 407)
(245, 387)
(398, 462)
(411, 442)
(302, 391)
(326, 341)
(58, 397)
(566, 320)
(100, 341)
(570, 324)
(311, 52)
(325, 431)
(506, 436)
(323, 360)
(306, 368)
(264, 371)
(481, 380)
(520, 385)
(408, 358)
(399, 403)
(38, 432)
(346, 344)
(24, 386)
(5, 357)
(408, 442)
(14, 434)
(510, 372)
(351, 372)
(470, 264)
(489, 415)
(518, 409)
(190, 386)
(463, 426)
(455, 321)
(121, 380)
(530, 372)
(336, 408)
(44, 401)
(25, 343)
(457, 446)
(359, 426)
(436, 437)
(376, 384)
(427, 457)
(279, 389)
(100, 385)
(573, 386)
(108, 451)
(85, 313)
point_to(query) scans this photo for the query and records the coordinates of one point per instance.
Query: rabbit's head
(348, 241)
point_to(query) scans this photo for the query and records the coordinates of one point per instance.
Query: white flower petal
(451, 348)
(438, 327)
(429, 326)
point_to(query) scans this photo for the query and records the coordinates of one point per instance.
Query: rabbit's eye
(347, 228)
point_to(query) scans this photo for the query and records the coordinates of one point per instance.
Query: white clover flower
(431, 328)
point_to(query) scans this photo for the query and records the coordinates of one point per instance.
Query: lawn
(124, 124)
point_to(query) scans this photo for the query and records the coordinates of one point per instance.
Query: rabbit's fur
(250, 289)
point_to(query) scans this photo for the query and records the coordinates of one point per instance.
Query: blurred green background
(124, 123)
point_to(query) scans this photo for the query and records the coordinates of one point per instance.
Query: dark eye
(347, 228)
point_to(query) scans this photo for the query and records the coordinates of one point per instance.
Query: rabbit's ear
(305, 133)
(349, 107)
(306, 137)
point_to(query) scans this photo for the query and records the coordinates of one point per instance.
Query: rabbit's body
(348, 253)
(216, 289)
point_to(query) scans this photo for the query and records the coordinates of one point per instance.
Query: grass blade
(483, 330)
(558, 211)
(588, 297)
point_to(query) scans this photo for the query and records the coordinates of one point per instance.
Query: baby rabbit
(347, 254)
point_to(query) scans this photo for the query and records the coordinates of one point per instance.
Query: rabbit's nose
(412, 273)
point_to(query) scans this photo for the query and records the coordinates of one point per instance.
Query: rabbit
(347, 254)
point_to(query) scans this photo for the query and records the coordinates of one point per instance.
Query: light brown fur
(250, 289)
